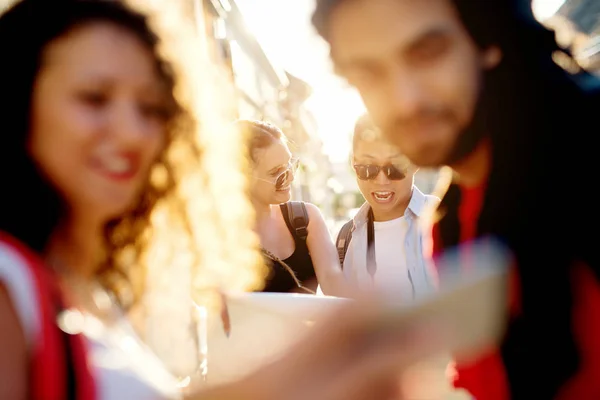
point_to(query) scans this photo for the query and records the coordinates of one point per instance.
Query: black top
(279, 279)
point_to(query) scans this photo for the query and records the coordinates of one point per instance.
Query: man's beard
(464, 143)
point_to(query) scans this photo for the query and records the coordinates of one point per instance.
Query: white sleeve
(19, 283)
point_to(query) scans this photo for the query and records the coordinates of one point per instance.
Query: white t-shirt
(391, 276)
(123, 368)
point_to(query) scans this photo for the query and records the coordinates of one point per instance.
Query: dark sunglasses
(285, 177)
(370, 172)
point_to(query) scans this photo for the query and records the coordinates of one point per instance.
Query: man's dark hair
(487, 21)
(536, 118)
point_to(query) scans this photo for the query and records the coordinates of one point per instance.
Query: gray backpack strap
(343, 240)
(298, 217)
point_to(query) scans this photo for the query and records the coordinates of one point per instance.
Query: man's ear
(491, 57)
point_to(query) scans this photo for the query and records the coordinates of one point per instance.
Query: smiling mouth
(383, 196)
(284, 189)
(118, 167)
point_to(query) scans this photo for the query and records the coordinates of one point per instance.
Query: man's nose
(382, 177)
(405, 94)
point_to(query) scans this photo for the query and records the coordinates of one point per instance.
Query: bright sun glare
(283, 29)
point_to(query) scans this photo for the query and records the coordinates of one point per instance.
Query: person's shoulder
(312, 209)
(428, 216)
(314, 214)
(18, 266)
(428, 201)
(22, 255)
(13, 249)
(432, 200)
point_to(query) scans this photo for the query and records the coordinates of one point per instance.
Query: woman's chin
(283, 195)
(113, 210)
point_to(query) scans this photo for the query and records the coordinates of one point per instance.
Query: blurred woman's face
(97, 120)
(273, 174)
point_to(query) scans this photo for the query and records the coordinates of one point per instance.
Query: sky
(283, 29)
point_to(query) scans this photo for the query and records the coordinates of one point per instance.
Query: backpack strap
(343, 240)
(298, 217)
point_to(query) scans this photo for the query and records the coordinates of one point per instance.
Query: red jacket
(486, 378)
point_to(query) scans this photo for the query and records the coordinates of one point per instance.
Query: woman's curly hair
(188, 214)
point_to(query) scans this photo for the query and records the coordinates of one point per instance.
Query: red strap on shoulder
(48, 379)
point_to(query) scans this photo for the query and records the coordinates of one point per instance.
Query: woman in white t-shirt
(385, 249)
(95, 150)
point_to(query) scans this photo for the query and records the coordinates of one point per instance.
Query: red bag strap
(56, 352)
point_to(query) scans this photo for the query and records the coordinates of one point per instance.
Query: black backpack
(343, 240)
(298, 216)
(345, 236)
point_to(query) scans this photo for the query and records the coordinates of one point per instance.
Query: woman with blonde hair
(293, 235)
